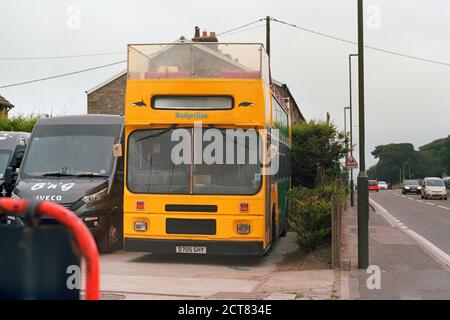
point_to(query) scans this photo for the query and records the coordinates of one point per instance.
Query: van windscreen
(70, 150)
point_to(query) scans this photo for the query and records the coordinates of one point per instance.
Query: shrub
(311, 213)
(19, 123)
(311, 220)
(317, 148)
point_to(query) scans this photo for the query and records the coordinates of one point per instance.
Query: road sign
(351, 163)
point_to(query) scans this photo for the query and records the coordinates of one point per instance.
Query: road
(428, 218)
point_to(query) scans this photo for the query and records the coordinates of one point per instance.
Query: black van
(77, 161)
(12, 149)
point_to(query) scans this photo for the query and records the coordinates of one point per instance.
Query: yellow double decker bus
(207, 148)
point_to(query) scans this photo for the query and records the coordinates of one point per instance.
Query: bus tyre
(285, 224)
(273, 231)
(110, 241)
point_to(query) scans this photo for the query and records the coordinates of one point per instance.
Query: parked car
(373, 185)
(382, 185)
(76, 161)
(447, 183)
(12, 149)
(411, 186)
(433, 187)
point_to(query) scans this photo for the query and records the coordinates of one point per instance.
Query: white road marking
(419, 201)
(443, 207)
(430, 203)
(411, 198)
(437, 254)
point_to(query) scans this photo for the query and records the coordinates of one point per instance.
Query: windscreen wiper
(56, 174)
(90, 174)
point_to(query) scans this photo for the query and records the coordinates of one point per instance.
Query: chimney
(212, 37)
(197, 32)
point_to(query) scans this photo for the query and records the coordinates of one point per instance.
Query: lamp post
(363, 179)
(345, 132)
(352, 183)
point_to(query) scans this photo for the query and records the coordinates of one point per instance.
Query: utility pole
(363, 179)
(268, 35)
(352, 183)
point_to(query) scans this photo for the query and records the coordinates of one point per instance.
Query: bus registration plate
(191, 249)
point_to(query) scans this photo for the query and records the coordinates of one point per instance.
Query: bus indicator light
(244, 207)
(140, 205)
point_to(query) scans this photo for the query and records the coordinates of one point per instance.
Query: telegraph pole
(268, 35)
(363, 192)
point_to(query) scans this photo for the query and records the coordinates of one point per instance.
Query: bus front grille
(191, 226)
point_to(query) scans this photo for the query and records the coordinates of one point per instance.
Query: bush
(311, 220)
(19, 123)
(317, 148)
(311, 213)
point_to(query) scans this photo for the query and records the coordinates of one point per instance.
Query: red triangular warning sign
(351, 163)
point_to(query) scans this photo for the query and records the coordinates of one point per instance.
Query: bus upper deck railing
(189, 60)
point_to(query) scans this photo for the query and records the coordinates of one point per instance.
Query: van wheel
(110, 241)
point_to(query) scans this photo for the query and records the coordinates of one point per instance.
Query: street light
(363, 179)
(346, 135)
(352, 183)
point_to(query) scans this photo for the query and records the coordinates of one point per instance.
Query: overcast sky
(406, 100)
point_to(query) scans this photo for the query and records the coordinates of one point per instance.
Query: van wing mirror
(19, 156)
(8, 176)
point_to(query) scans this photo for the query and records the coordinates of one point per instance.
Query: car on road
(382, 185)
(447, 183)
(433, 187)
(411, 186)
(373, 185)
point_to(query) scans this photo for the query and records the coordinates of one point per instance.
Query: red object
(373, 185)
(244, 207)
(83, 236)
(140, 205)
(351, 163)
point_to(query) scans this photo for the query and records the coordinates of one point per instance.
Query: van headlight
(95, 196)
(14, 196)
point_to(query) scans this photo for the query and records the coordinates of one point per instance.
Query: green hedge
(19, 123)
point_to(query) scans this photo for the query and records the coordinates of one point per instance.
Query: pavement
(409, 264)
(129, 275)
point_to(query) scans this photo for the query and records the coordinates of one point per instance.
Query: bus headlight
(95, 196)
(243, 228)
(140, 226)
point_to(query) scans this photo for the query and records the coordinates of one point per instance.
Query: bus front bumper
(213, 247)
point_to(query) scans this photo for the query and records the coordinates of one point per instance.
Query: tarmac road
(428, 218)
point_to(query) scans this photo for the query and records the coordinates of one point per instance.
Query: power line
(62, 57)
(245, 30)
(240, 27)
(62, 75)
(366, 46)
